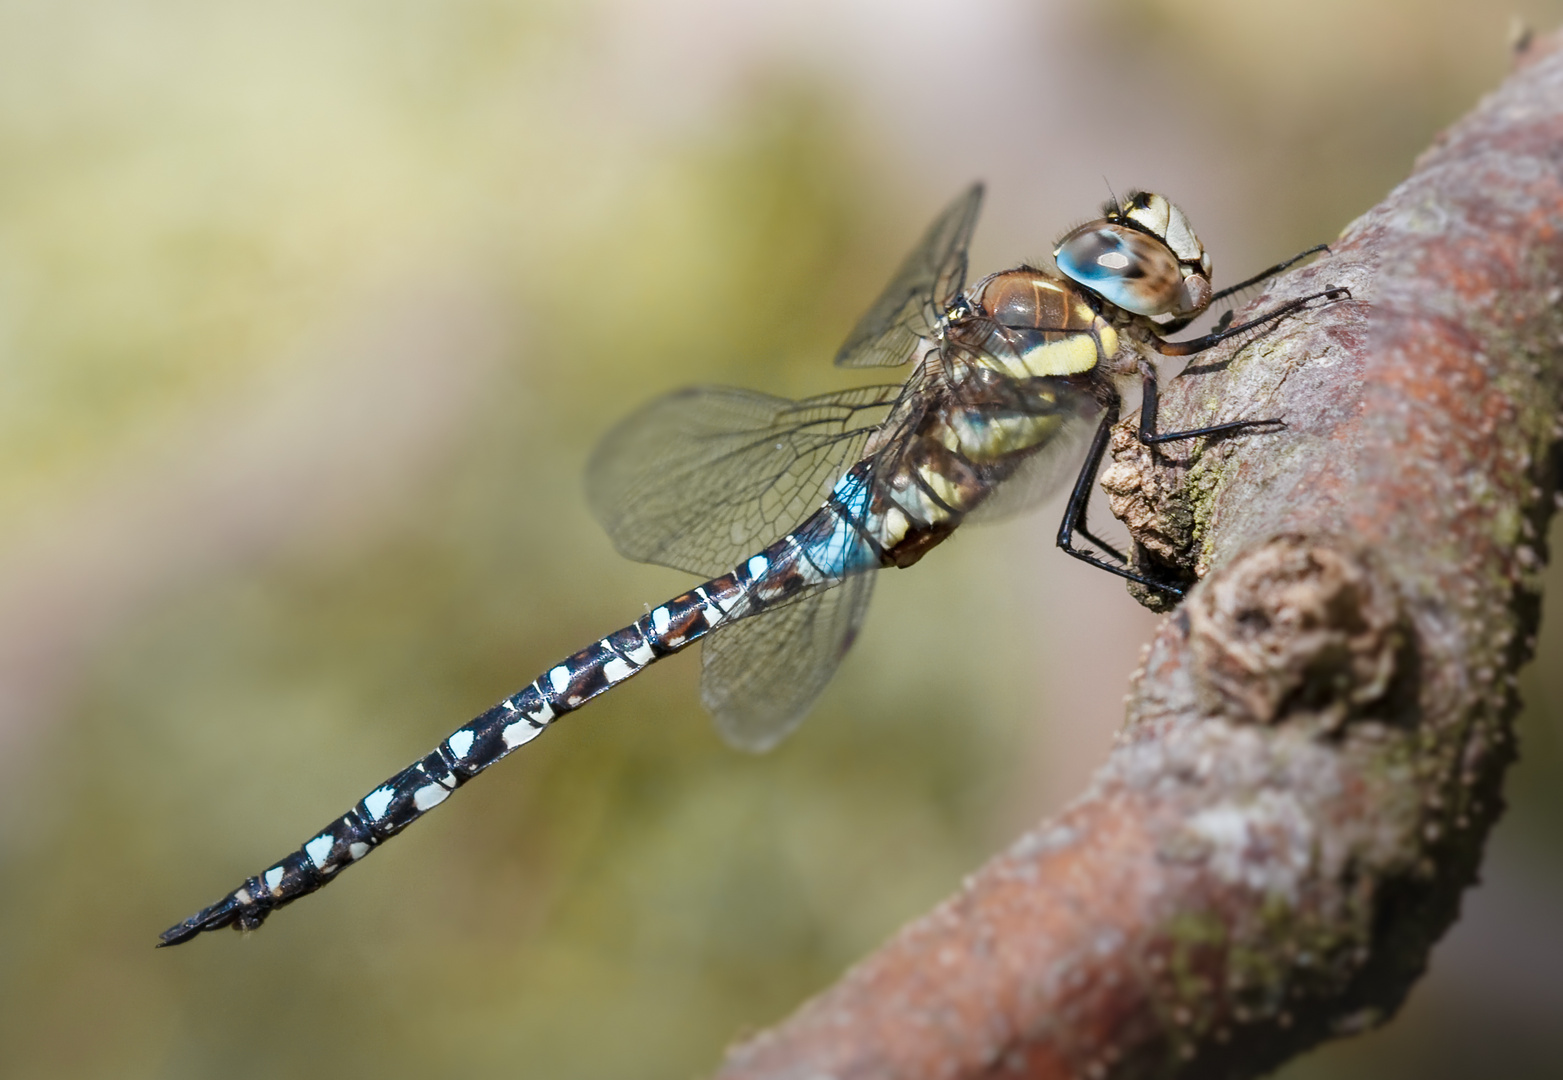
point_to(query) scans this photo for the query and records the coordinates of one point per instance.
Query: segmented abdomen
(817, 554)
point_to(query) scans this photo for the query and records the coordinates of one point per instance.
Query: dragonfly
(788, 506)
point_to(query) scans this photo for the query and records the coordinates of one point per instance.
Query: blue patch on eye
(1103, 262)
(1096, 257)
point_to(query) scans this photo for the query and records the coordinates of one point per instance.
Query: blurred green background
(309, 317)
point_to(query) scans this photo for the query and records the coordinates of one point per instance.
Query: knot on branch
(1149, 500)
(1295, 626)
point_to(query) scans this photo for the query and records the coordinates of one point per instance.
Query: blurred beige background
(309, 316)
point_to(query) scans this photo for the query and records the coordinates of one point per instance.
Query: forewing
(760, 675)
(1042, 473)
(922, 290)
(702, 478)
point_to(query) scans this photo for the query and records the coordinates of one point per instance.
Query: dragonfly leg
(1175, 325)
(1149, 404)
(1265, 275)
(1147, 431)
(1200, 344)
(1075, 513)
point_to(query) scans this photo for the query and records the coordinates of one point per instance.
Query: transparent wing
(759, 676)
(930, 279)
(1048, 468)
(701, 479)
(1048, 419)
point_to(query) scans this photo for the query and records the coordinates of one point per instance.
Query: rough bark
(1315, 744)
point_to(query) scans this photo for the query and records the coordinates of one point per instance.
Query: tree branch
(1315, 745)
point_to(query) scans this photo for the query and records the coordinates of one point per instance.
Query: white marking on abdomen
(522, 731)
(430, 795)
(661, 620)
(642, 655)
(376, 802)
(273, 878)
(357, 850)
(616, 670)
(802, 564)
(711, 602)
(758, 566)
(461, 742)
(318, 850)
(559, 678)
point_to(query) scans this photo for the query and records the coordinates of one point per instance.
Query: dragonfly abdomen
(808, 557)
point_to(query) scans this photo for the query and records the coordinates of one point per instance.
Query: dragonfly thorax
(1028, 299)
(1037, 324)
(1142, 257)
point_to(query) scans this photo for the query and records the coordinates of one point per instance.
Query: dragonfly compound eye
(1128, 268)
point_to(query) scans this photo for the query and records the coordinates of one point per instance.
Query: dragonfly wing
(702, 478)
(1042, 472)
(930, 279)
(759, 675)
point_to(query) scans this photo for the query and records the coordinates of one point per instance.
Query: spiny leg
(1200, 344)
(1265, 275)
(1150, 400)
(1079, 501)
(1077, 524)
(1079, 497)
(1175, 325)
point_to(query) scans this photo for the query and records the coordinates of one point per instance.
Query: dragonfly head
(1141, 256)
